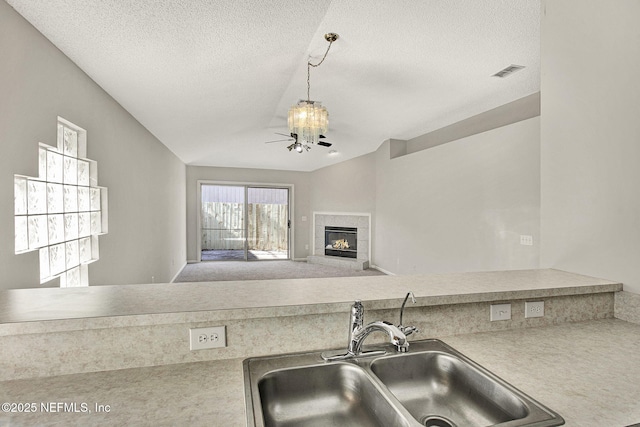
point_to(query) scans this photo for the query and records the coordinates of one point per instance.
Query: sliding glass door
(267, 223)
(223, 223)
(244, 223)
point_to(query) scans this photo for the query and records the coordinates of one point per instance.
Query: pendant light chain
(309, 65)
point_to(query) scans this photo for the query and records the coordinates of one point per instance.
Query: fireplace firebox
(341, 241)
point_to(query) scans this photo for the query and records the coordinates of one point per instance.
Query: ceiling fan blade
(283, 134)
(325, 144)
(279, 140)
(321, 136)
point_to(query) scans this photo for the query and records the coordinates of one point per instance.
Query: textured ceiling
(213, 80)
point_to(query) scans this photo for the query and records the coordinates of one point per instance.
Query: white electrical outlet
(500, 312)
(202, 338)
(526, 240)
(533, 309)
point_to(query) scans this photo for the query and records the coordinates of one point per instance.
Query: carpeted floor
(238, 255)
(215, 271)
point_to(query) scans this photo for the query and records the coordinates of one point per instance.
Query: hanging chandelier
(309, 120)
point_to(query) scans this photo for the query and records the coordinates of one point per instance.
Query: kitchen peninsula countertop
(59, 309)
(586, 371)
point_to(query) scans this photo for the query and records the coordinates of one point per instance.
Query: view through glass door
(244, 223)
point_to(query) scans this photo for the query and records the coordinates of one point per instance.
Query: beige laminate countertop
(49, 309)
(588, 372)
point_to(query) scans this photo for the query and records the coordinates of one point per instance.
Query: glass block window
(61, 212)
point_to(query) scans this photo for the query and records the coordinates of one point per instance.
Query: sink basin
(325, 395)
(432, 385)
(441, 389)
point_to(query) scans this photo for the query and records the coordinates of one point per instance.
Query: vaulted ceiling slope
(213, 80)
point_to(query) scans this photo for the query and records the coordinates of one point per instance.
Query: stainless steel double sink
(431, 385)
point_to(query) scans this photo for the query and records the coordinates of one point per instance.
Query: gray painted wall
(349, 186)
(590, 138)
(461, 206)
(146, 181)
(520, 109)
(300, 181)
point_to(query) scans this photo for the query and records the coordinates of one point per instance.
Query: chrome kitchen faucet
(358, 332)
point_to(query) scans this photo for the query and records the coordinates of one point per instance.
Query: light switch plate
(500, 312)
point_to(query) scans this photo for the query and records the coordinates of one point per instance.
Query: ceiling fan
(297, 146)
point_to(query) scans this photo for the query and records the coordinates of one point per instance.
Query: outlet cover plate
(203, 338)
(533, 309)
(526, 240)
(500, 312)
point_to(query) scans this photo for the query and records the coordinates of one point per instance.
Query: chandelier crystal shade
(308, 119)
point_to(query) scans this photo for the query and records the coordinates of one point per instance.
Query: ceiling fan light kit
(298, 147)
(308, 120)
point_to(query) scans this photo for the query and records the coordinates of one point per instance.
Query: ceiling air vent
(508, 71)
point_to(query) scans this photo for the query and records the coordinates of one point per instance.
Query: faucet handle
(408, 330)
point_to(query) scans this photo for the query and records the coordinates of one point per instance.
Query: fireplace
(341, 242)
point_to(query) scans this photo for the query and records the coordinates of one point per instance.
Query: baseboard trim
(178, 273)
(382, 270)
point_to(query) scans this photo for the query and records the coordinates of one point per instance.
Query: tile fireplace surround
(361, 221)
